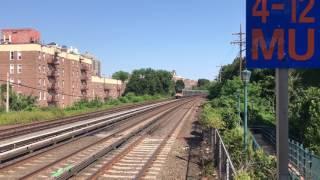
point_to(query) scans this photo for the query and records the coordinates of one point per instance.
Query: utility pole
(220, 72)
(241, 42)
(8, 98)
(0, 95)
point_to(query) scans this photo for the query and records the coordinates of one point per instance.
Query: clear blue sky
(190, 36)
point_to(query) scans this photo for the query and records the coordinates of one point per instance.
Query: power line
(241, 43)
(30, 87)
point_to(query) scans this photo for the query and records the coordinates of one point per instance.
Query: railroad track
(141, 159)
(29, 144)
(42, 125)
(42, 166)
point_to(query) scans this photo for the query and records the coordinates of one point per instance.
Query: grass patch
(81, 107)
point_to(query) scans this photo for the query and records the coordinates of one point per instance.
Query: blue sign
(283, 34)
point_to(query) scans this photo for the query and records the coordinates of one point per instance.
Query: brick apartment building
(58, 76)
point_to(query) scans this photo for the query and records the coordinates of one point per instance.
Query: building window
(40, 96)
(39, 83)
(44, 69)
(62, 96)
(11, 80)
(19, 83)
(11, 55)
(19, 68)
(39, 68)
(11, 68)
(44, 95)
(19, 55)
(44, 83)
(63, 83)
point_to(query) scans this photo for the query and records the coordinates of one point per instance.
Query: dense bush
(17, 102)
(83, 104)
(304, 96)
(211, 118)
(305, 118)
(251, 164)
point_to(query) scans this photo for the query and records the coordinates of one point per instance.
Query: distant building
(57, 75)
(188, 83)
(96, 64)
(19, 36)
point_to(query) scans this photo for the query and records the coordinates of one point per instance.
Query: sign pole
(282, 124)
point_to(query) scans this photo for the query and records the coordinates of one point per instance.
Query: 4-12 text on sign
(283, 34)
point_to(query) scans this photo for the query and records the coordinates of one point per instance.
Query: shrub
(211, 118)
(113, 102)
(265, 164)
(242, 175)
(234, 143)
(124, 99)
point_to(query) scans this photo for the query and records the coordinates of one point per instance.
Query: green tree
(121, 75)
(179, 86)
(203, 83)
(230, 71)
(304, 118)
(149, 81)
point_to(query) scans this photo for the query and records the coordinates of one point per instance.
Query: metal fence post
(228, 177)
(311, 164)
(306, 164)
(214, 146)
(219, 161)
(211, 137)
(215, 136)
(298, 155)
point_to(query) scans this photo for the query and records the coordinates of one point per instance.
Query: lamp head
(245, 76)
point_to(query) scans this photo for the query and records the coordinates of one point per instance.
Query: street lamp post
(238, 106)
(245, 76)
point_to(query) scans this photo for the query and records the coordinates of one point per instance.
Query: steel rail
(42, 125)
(128, 149)
(100, 153)
(56, 138)
(160, 147)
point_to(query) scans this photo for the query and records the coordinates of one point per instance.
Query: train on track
(188, 93)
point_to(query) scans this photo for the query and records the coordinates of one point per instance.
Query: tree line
(304, 97)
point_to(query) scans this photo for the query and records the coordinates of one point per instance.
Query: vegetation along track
(87, 149)
(22, 129)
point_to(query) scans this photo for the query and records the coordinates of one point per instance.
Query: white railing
(221, 157)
